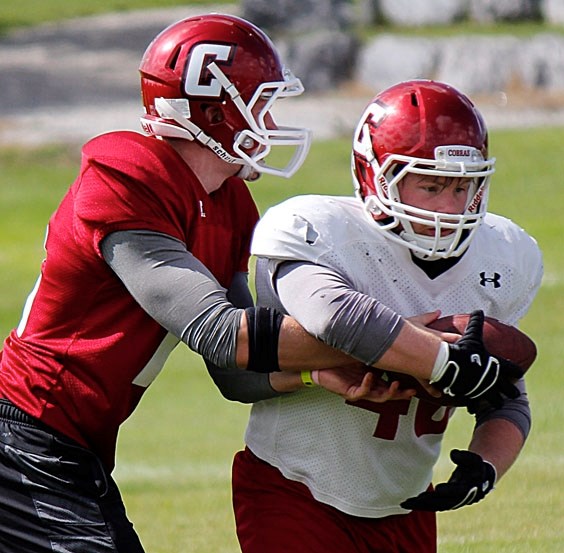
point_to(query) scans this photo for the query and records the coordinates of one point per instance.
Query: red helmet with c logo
(228, 62)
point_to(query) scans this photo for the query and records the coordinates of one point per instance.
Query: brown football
(499, 338)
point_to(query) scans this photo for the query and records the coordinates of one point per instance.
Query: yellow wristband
(307, 379)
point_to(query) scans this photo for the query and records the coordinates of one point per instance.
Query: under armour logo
(484, 280)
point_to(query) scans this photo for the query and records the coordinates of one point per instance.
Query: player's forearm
(284, 382)
(297, 350)
(414, 351)
(498, 441)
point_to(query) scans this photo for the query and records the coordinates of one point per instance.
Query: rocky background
(71, 80)
(320, 41)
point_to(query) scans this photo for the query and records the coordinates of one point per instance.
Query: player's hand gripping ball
(499, 339)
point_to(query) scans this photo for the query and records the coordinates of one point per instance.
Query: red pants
(277, 515)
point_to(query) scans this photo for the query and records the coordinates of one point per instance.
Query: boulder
(421, 13)
(322, 59)
(490, 11)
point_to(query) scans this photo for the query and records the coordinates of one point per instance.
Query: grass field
(33, 12)
(175, 452)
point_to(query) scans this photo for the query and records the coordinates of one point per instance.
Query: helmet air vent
(174, 59)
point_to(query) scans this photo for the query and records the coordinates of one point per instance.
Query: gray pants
(55, 496)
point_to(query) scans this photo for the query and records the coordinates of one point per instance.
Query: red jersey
(83, 339)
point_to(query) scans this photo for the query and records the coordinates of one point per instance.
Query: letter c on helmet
(196, 84)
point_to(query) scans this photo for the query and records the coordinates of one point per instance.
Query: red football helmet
(225, 61)
(428, 128)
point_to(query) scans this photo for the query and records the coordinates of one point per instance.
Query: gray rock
(541, 63)
(289, 16)
(70, 81)
(479, 64)
(419, 13)
(553, 11)
(391, 58)
(490, 11)
(322, 59)
(36, 75)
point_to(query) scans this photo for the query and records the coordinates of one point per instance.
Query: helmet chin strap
(168, 109)
(248, 173)
(427, 243)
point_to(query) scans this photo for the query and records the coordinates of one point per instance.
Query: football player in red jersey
(149, 248)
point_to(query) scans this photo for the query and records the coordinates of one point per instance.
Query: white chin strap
(178, 110)
(430, 247)
(248, 173)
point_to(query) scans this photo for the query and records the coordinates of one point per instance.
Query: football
(499, 338)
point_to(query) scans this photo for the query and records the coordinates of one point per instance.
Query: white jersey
(365, 458)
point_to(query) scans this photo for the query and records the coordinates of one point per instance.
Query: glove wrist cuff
(441, 363)
(494, 472)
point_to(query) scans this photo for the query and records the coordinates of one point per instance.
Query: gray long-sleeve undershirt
(328, 307)
(176, 290)
(181, 294)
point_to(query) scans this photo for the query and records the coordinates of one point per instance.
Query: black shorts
(55, 495)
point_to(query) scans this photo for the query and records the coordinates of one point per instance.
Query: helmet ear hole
(214, 114)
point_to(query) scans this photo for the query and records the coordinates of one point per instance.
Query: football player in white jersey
(320, 474)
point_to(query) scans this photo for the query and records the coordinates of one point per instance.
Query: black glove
(471, 372)
(470, 482)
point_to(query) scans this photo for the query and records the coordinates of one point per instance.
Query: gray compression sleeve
(242, 386)
(517, 411)
(239, 294)
(325, 304)
(235, 384)
(177, 290)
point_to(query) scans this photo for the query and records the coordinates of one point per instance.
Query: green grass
(525, 29)
(175, 452)
(25, 13)
(31, 183)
